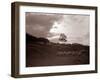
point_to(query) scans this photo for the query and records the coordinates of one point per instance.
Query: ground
(51, 54)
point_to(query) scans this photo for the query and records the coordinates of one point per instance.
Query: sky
(50, 26)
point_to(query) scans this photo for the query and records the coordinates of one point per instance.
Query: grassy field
(51, 54)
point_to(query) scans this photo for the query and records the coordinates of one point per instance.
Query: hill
(42, 52)
(33, 39)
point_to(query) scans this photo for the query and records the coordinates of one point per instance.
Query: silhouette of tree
(63, 37)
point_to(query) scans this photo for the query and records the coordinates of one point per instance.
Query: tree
(63, 37)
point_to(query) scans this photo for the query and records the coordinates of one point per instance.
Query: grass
(51, 54)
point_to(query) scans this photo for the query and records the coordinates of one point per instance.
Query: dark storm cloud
(39, 24)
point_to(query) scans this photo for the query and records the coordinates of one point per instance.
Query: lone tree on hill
(63, 37)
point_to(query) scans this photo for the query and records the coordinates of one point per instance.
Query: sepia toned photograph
(53, 39)
(57, 39)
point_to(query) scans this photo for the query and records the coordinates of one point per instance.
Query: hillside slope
(51, 54)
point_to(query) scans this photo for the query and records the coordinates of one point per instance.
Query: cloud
(75, 27)
(39, 24)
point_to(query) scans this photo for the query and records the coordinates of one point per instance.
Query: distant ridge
(32, 39)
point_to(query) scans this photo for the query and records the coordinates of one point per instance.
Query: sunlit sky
(75, 27)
